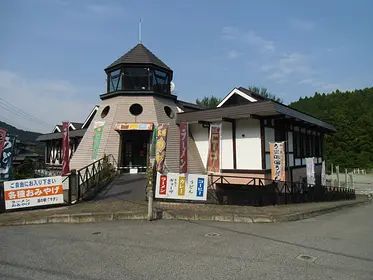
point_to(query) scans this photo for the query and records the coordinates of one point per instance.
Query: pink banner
(65, 149)
(3, 133)
(183, 148)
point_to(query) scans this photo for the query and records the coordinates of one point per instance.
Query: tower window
(105, 111)
(136, 109)
(169, 112)
(115, 80)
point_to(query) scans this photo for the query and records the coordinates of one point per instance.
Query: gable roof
(242, 92)
(90, 117)
(73, 126)
(139, 55)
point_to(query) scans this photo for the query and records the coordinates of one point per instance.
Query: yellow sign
(181, 187)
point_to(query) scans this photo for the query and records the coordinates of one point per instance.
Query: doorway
(134, 151)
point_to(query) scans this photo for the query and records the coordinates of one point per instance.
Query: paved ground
(125, 187)
(341, 242)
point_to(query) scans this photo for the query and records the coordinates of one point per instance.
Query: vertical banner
(213, 159)
(183, 168)
(7, 157)
(310, 164)
(154, 142)
(97, 134)
(160, 155)
(323, 174)
(2, 140)
(65, 149)
(277, 153)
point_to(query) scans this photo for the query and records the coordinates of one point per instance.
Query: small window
(169, 112)
(105, 111)
(136, 109)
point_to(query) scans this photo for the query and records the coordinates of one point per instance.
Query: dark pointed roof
(139, 55)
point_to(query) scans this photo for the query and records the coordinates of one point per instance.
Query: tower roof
(139, 55)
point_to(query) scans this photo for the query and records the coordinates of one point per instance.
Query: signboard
(133, 126)
(183, 159)
(277, 153)
(33, 192)
(65, 148)
(213, 159)
(160, 155)
(323, 174)
(181, 186)
(97, 134)
(3, 133)
(7, 157)
(310, 163)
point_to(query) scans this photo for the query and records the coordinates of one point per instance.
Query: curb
(160, 214)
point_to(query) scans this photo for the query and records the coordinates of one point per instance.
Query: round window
(169, 112)
(105, 112)
(136, 109)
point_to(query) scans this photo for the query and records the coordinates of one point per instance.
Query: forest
(351, 112)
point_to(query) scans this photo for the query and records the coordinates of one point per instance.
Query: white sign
(33, 192)
(323, 174)
(181, 186)
(310, 164)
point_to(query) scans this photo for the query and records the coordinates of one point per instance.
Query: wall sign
(181, 186)
(310, 163)
(133, 126)
(97, 134)
(33, 192)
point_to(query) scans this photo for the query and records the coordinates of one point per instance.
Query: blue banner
(6, 159)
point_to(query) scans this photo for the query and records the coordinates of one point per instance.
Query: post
(352, 180)
(346, 179)
(150, 192)
(332, 171)
(2, 197)
(73, 184)
(338, 179)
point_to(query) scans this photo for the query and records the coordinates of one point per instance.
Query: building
(139, 95)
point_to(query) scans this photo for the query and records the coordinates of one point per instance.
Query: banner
(97, 134)
(7, 157)
(277, 153)
(213, 159)
(323, 174)
(310, 164)
(154, 142)
(161, 146)
(181, 186)
(183, 159)
(65, 149)
(3, 133)
(33, 192)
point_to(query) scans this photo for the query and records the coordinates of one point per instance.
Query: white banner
(181, 186)
(323, 174)
(33, 192)
(310, 163)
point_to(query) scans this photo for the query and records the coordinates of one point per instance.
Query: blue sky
(53, 52)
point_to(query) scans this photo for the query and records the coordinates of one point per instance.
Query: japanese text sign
(160, 155)
(3, 133)
(183, 168)
(6, 161)
(181, 186)
(310, 163)
(33, 192)
(277, 152)
(213, 159)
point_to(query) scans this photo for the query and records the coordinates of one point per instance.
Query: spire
(140, 31)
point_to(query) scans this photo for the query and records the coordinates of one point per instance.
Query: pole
(338, 179)
(150, 192)
(346, 179)
(332, 171)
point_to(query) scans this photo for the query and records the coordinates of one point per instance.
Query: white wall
(201, 137)
(227, 146)
(248, 144)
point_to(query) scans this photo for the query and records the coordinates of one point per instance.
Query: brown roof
(58, 135)
(261, 109)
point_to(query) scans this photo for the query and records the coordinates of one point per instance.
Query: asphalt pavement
(337, 245)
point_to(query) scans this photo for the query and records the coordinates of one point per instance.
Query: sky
(53, 52)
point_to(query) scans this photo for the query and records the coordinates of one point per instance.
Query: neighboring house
(139, 93)
(23, 151)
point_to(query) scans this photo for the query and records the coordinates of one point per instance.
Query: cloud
(249, 38)
(302, 25)
(293, 64)
(50, 101)
(320, 85)
(234, 54)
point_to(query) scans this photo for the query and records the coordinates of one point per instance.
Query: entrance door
(134, 150)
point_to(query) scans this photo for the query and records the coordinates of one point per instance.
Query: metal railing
(243, 190)
(89, 179)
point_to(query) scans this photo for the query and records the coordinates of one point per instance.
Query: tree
(265, 93)
(209, 102)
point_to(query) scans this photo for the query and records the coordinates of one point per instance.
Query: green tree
(209, 102)
(265, 93)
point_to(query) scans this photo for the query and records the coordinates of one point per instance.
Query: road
(341, 242)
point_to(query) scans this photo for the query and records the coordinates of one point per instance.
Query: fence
(224, 189)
